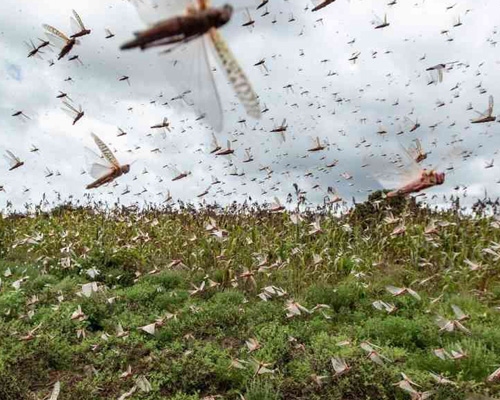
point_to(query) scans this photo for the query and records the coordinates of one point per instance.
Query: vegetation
(199, 279)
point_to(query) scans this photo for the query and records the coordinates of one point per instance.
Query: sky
(309, 81)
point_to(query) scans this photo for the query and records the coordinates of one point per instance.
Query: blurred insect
(260, 367)
(318, 146)
(74, 113)
(43, 44)
(77, 26)
(332, 196)
(31, 334)
(458, 354)
(445, 355)
(319, 4)
(407, 177)
(227, 151)
(340, 366)
(121, 132)
(204, 193)
(294, 308)
(48, 173)
(450, 325)
(33, 51)
(103, 169)
(406, 382)
(76, 58)
(441, 379)
(262, 63)
(164, 126)
(13, 161)
(282, 128)
(124, 78)
(379, 24)
(373, 355)
(109, 34)
(195, 23)
(489, 164)
(437, 71)
(495, 376)
(250, 22)
(248, 156)
(354, 57)
(276, 206)
(487, 115)
(215, 145)
(416, 152)
(60, 40)
(22, 116)
(252, 344)
(415, 395)
(178, 175)
(396, 291)
(412, 125)
(383, 306)
(63, 95)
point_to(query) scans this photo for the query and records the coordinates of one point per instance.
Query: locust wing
(76, 23)
(490, 105)
(393, 173)
(97, 167)
(459, 314)
(236, 76)
(191, 75)
(70, 110)
(106, 152)
(55, 36)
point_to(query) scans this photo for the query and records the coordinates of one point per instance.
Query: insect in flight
(178, 175)
(379, 24)
(109, 34)
(22, 116)
(487, 115)
(215, 145)
(14, 161)
(59, 39)
(416, 152)
(74, 113)
(34, 51)
(164, 126)
(195, 24)
(320, 4)
(103, 169)
(78, 27)
(407, 178)
(318, 146)
(437, 71)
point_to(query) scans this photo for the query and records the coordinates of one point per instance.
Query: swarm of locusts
(235, 302)
(311, 297)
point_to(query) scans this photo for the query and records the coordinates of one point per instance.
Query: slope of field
(249, 304)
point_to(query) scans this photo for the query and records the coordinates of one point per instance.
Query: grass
(148, 264)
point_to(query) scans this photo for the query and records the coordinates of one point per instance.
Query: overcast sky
(310, 82)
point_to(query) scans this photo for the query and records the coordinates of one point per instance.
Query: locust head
(227, 12)
(439, 178)
(433, 177)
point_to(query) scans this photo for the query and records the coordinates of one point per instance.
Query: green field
(196, 277)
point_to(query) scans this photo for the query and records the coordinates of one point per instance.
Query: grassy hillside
(199, 279)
